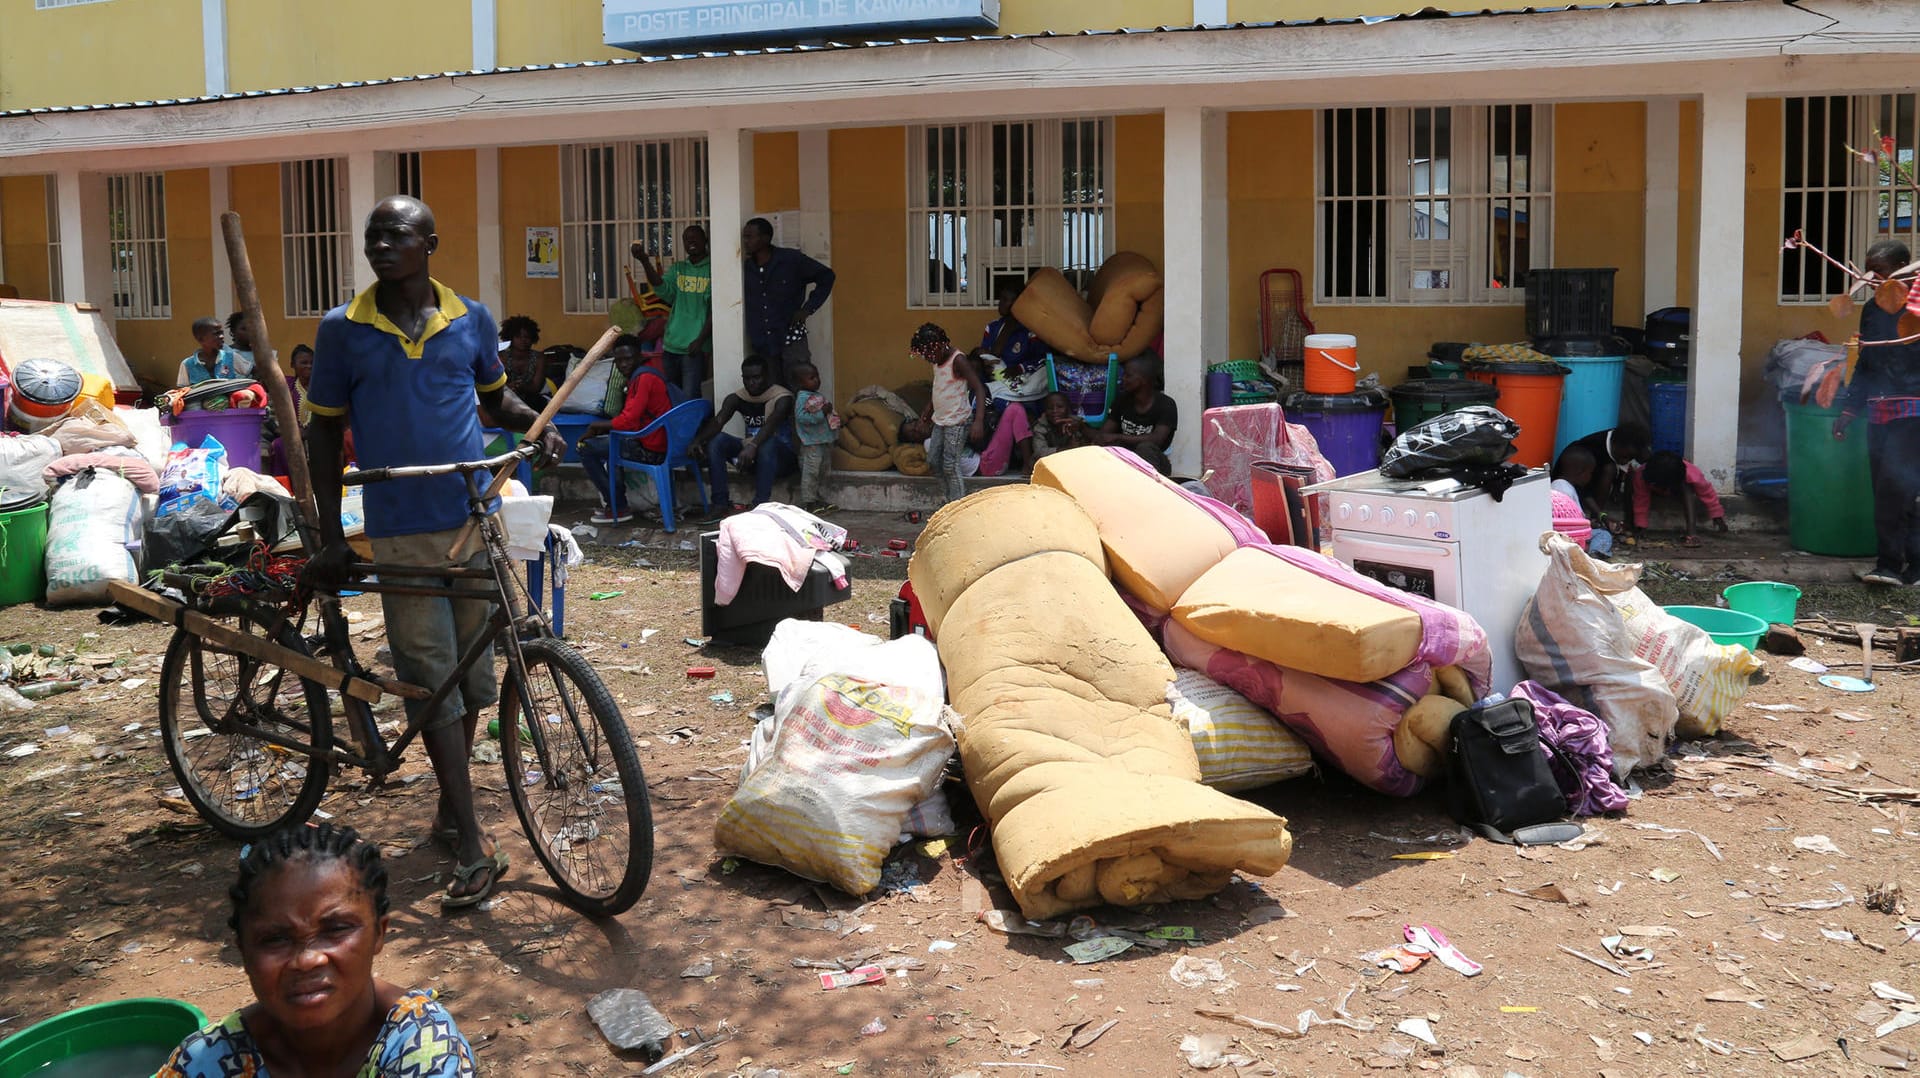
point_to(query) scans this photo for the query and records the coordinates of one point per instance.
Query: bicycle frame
(377, 756)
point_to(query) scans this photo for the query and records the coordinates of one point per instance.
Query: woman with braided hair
(310, 914)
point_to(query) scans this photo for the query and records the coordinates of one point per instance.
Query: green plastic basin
(1725, 626)
(115, 1031)
(1770, 601)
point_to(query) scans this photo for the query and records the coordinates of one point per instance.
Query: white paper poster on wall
(543, 252)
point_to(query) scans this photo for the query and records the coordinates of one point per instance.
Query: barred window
(999, 199)
(1432, 205)
(1840, 201)
(614, 193)
(137, 235)
(316, 237)
(406, 169)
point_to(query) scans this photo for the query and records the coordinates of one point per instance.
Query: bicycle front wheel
(576, 779)
(229, 724)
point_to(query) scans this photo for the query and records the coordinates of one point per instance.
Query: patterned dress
(418, 1040)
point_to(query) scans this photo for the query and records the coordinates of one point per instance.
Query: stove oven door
(1421, 566)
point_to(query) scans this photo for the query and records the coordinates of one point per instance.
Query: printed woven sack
(849, 762)
(1240, 746)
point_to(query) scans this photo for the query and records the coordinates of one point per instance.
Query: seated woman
(1143, 419)
(526, 368)
(310, 914)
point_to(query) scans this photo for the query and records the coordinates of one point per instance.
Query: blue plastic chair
(1113, 385)
(681, 423)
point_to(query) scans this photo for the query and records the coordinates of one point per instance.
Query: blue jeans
(688, 371)
(593, 459)
(776, 458)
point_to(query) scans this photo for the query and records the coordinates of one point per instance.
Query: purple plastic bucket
(238, 429)
(1347, 426)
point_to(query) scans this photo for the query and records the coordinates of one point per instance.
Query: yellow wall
(1599, 195)
(1067, 16)
(776, 171)
(871, 322)
(154, 347)
(446, 184)
(272, 45)
(100, 53)
(1139, 186)
(548, 32)
(1289, 10)
(23, 234)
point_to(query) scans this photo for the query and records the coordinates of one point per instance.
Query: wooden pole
(599, 350)
(266, 371)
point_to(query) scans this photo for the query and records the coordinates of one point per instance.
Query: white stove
(1453, 544)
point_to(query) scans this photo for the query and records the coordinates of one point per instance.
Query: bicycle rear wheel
(576, 779)
(216, 704)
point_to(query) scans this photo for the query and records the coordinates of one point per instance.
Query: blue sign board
(661, 25)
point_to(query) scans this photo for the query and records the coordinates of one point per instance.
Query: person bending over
(766, 409)
(310, 914)
(1670, 475)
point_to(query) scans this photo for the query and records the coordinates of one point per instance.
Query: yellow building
(1411, 167)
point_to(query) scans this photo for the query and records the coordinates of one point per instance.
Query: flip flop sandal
(496, 865)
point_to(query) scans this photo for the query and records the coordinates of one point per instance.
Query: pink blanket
(781, 536)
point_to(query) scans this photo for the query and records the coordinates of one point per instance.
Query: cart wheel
(575, 779)
(220, 713)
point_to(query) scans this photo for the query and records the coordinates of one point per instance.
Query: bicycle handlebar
(422, 471)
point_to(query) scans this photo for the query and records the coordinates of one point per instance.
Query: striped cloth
(1893, 409)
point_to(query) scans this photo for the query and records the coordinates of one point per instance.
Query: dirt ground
(1763, 952)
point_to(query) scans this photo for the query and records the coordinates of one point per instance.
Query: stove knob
(1366, 513)
(1410, 518)
(1346, 510)
(1433, 522)
(1386, 514)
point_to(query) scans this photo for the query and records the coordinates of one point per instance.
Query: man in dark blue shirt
(778, 301)
(1886, 387)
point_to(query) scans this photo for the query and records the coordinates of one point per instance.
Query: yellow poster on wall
(543, 252)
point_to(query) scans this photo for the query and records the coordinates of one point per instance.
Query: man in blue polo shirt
(401, 365)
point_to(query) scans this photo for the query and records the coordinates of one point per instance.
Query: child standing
(814, 424)
(1669, 474)
(1886, 385)
(956, 419)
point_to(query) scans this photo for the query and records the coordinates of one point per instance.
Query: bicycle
(247, 719)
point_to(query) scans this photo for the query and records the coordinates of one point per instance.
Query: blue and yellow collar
(366, 310)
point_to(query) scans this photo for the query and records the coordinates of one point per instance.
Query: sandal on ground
(496, 866)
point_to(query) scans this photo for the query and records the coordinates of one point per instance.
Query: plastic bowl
(1770, 601)
(119, 1029)
(1725, 626)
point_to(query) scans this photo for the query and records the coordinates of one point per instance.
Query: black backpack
(1498, 780)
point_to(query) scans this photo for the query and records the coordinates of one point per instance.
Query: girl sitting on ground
(310, 914)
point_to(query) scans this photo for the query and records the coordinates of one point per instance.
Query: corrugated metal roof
(841, 46)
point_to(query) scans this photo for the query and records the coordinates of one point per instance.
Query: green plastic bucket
(23, 554)
(126, 1036)
(1725, 626)
(1417, 400)
(1829, 490)
(1768, 600)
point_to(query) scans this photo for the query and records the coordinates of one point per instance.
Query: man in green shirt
(687, 286)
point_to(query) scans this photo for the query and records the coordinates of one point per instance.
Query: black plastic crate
(1563, 302)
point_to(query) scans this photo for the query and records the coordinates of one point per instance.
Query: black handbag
(1498, 777)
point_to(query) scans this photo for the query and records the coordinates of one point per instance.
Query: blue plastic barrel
(1590, 400)
(1667, 403)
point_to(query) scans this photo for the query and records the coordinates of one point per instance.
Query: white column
(486, 43)
(1662, 262)
(730, 172)
(219, 201)
(213, 44)
(86, 270)
(362, 196)
(1209, 12)
(816, 239)
(1196, 267)
(486, 218)
(1713, 402)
